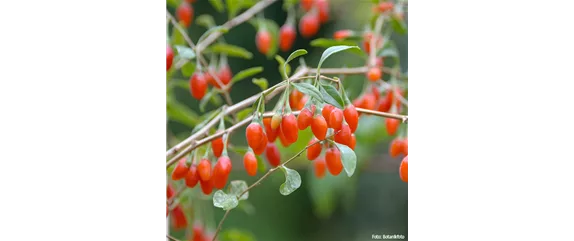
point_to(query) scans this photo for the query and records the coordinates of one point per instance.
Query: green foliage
(331, 96)
(398, 24)
(224, 201)
(181, 113)
(185, 52)
(229, 50)
(292, 56)
(292, 181)
(205, 20)
(348, 158)
(212, 30)
(261, 82)
(235, 235)
(284, 69)
(246, 73)
(332, 50)
(241, 115)
(236, 187)
(217, 4)
(326, 43)
(188, 69)
(308, 89)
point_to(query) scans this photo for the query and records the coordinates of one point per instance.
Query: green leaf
(203, 102)
(188, 69)
(292, 56)
(211, 30)
(185, 52)
(331, 50)
(326, 43)
(181, 113)
(210, 117)
(289, 4)
(398, 25)
(331, 96)
(308, 89)
(205, 20)
(284, 72)
(261, 82)
(233, 6)
(235, 235)
(177, 37)
(261, 166)
(292, 181)
(224, 201)
(348, 158)
(229, 50)
(246, 73)
(236, 187)
(173, 3)
(217, 4)
(241, 115)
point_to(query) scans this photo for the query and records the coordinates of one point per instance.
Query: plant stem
(171, 238)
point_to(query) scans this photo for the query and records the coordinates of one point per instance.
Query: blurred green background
(372, 201)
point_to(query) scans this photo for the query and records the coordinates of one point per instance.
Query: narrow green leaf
(185, 52)
(233, 6)
(177, 37)
(241, 115)
(205, 20)
(398, 25)
(292, 56)
(331, 50)
(283, 71)
(217, 4)
(289, 4)
(224, 201)
(210, 117)
(326, 43)
(261, 82)
(229, 50)
(308, 89)
(180, 84)
(331, 96)
(348, 158)
(211, 30)
(203, 102)
(188, 68)
(246, 73)
(173, 3)
(236, 187)
(236, 234)
(181, 113)
(292, 181)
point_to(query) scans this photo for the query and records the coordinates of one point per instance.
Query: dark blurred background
(372, 201)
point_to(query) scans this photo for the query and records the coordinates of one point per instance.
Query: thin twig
(171, 238)
(403, 118)
(220, 223)
(354, 70)
(180, 29)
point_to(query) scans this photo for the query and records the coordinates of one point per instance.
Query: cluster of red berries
(178, 219)
(316, 13)
(263, 141)
(199, 81)
(185, 12)
(399, 146)
(375, 100)
(207, 176)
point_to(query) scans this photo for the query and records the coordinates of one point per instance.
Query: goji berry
(204, 170)
(392, 126)
(217, 146)
(272, 154)
(185, 13)
(269, 132)
(224, 74)
(336, 119)
(384, 105)
(197, 232)
(320, 166)
(369, 101)
(406, 147)
(301, 103)
(333, 160)
(294, 98)
(374, 74)
(250, 163)
(178, 218)
(367, 41)
(404, 169)
(313, 151)
(170, 191)
(221, 172)
(289, 128)
(319, 127)
(344, 136)
(304, 119)
(206, 186)
(263, 41)
(326, 111)
(323, 6)
(396, 147)
(383, 7)
(282, 138)
(169, 57)
(180, 170)
(192, 177)
(353, 142)
(351, 117)
(198, 85)
(286, 37)
(342, 34)
(262, 145)
(309, 24)
(307, 4)
(254, 135)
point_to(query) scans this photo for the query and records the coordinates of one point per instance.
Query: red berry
(302, 103)
(282, 138)
(344, 136)
(289, 128)
(396, 147)
(169, 57)
(180, 170)
(384, 105)
(217, 146)
(309, 24)
(320, 167)
(272, 155)
(406, 147)
(178, 218)
(221, 172)
(336, 119)
(275, 121)
(369, 101)
(319, 127)
(304, 119)
(384, 7)
(404, 169)
(379, 62)
(326, 112)
(192, 177)
(307, 4)
(250, 163)
(353, 142)
(255, 135)
(206, 186)
(198, 85)
(313, 151)
(392, 126)
(263, 41)
(374, 74)
(262, 145)
(367, 41)
(352, 117)
(323, 6)
(333, 159)
(224, 76)
(204, 170)
(286, 37)
(185, 13)
(170, 191)
(197, 232)
(294, 98)
(271, 134)
(342, 34)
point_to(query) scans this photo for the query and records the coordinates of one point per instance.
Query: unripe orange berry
(250, 163)
(313, 151)
(333, 159)
(276, 121)
(374, 74)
